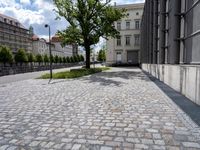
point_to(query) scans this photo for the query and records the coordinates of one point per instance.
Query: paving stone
(106, 148)
(191, 145)
(118, 109)
(76, 147)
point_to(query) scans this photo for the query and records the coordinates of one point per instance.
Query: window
(137, 39)
(128, 40)
(119, 41)
(137, 24)
(118, 25)
(137, 13)
(127, 24)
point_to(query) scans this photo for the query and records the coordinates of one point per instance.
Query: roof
(11, 21)
(131, 6)
(55, 38)
(35, 37)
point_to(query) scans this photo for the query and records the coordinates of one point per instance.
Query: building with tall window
(126, 48)
(170, 44)
(41, 46)
(13, 34)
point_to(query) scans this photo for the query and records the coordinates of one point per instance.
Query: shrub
(60, 60)
(56, 59)
(68, 59)
(52, 59)
(72, 59)
(75, 58)
(39, 58)
(78, 58)
(46, 58)
(64, 59)
(82, 58)
(31, 57)
(21, 56)
(6, 55)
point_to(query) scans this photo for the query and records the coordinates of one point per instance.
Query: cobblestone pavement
(118, 109)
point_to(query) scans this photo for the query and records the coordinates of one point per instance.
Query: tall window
(127, 24)
(118, 25)
(137, 39)
(128, 40)
(137, 24)
(119, 41)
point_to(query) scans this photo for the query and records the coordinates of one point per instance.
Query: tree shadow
(114, 77)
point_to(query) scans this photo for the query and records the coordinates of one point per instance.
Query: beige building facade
(13, 34)
(126, 48)
(41, 46)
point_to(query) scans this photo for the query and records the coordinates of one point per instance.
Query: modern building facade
(171, 32)
(170, 44)
(13, 34)
(126, 49)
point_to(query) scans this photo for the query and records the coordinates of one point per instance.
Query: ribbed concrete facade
(170, 44)
(171, 32)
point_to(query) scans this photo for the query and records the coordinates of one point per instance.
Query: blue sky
(36, 13)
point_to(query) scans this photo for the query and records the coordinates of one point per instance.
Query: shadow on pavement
(190, 108)
(109, 78)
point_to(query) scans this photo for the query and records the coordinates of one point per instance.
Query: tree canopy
(88, 21)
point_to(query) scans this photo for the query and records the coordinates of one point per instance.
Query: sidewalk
(114, 110)
(26, 76)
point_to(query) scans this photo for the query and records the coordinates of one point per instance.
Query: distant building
(126, 49)
(13, 34)
(60, 50)
(39, 45)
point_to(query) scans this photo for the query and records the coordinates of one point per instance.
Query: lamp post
(46, 25)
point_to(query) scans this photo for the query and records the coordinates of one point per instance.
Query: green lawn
(74, 73)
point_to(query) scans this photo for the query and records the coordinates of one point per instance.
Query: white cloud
(39, 12)
(25, 2)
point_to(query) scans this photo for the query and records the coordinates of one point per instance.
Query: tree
(82, 58)
(6, 55)
(60, 60)
(56, 59)
(102, 54)
(75, 58)
(78, 58)
(52, 59)
(21, 56)
(39, 58)
(72, 59)
(31, 57)
(89, 20)
(68, 59)
(46, 58)
(64, 59)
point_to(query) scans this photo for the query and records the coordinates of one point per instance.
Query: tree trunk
(87, 50)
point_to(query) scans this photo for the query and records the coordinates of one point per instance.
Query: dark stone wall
(8, 69)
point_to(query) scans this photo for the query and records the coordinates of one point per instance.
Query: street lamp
(46, 25)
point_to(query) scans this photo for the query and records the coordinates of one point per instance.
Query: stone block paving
(121, 109)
